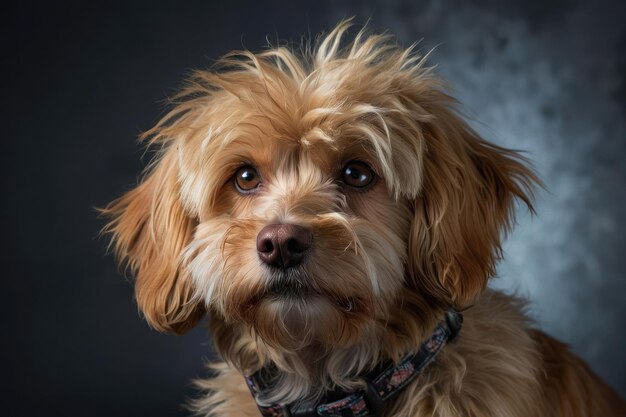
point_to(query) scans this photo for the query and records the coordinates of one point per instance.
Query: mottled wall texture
(82, 79)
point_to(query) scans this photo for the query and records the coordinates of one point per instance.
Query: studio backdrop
(82, 80)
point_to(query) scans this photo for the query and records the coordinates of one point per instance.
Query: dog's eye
(357, 174)
(247, 179)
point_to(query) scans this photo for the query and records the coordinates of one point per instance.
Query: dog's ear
(465, 206)
(150, 229)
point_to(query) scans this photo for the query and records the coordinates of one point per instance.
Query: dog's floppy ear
(465, 206)
(150, 229)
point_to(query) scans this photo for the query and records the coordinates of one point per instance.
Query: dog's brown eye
(357, 174)
(247, 179)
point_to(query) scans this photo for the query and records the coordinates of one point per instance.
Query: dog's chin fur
(294, 323)
(386, 260)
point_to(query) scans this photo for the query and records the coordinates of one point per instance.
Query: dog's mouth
(295, 289)
(293, 309)
(288, 288)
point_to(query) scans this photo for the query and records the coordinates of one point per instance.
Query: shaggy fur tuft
(387, 259)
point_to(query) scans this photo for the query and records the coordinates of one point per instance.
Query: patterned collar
(380, 388)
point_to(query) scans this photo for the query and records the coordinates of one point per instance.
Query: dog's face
(304, 240)
(307, 199)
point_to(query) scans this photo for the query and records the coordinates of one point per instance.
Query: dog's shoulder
(570, 386)
(502, 365)
(224, 394)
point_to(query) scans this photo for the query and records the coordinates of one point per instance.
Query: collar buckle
(375, 402)
(301, 410)
(454, 321)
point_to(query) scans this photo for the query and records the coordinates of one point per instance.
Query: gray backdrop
(82, 79)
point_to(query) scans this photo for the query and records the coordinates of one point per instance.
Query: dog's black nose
(283, 245)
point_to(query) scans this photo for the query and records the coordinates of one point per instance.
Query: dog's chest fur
(497, 367)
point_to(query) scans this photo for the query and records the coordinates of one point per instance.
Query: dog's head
(306, 197)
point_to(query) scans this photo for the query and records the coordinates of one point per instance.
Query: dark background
(82, 79)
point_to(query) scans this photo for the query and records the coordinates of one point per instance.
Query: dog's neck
(379, 387)
(311, 371)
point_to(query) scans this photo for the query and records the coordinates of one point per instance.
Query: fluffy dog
(335, 218)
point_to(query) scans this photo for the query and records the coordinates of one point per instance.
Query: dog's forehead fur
(367, 101)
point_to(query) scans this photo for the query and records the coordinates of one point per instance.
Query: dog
(337, 220)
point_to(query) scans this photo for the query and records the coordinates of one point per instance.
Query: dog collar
(379, 389)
